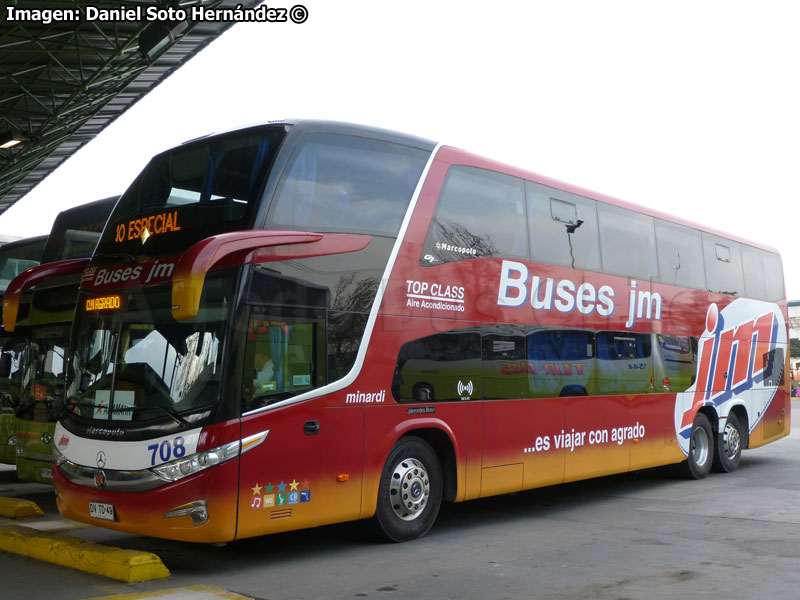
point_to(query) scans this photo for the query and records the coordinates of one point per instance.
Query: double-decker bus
(235, 363)
(15, 257)
(45, 331)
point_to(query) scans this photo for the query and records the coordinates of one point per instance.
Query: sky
(687, 107)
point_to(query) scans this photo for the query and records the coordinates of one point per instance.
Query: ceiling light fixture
(9, 139)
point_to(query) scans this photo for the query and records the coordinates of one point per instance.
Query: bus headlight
(189, 465)
(183, 467)
(58, 458)
(12, 440)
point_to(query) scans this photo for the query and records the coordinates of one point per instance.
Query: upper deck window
(346, 183)
(679, 248)
(186, 194)
(480, 214)
(627, 243)
(563, 228)
(723, 262)
(763, 274)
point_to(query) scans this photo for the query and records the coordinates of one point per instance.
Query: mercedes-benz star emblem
(101, 459)
(100, 480)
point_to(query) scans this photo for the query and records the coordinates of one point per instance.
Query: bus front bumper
(199, 508)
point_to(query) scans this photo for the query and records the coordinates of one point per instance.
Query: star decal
(293, 485)
(256, 490)
(281, 486)
(268, 488)
(305, 483)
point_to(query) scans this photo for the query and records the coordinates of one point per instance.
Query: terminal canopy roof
(62, 83)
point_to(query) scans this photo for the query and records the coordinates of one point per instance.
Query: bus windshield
(76, 231)
(12, 363)
(140, 361)
(45, 361)
(199, 189)
(16, 257)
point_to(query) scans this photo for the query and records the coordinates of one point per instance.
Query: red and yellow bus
(242, 356)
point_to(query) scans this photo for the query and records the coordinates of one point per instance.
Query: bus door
(290, 480)
(519, 448)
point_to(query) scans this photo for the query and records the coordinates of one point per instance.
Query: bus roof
(452, 154)
(324, 126)
(10, 248)
(76, 230)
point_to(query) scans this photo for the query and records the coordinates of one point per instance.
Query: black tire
(728, 446)
(410, 491)
(701, 450)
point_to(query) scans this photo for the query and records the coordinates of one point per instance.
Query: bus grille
(285, 513)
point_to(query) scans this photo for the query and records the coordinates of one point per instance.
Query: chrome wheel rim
(700, 446)
(409, 489)
(731, 441)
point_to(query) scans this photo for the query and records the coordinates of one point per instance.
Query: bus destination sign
(112, 302)
(146, 227)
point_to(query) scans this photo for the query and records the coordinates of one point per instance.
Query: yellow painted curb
(190, 592)
(17, 508)
(76, 553)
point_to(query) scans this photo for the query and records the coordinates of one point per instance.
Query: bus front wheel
(728, 446)
(410, 491)
(701, 450)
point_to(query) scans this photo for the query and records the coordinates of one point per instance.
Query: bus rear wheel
(728, 446)
(410, 491)
(701, 450)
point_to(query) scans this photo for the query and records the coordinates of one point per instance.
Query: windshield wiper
(170, 411)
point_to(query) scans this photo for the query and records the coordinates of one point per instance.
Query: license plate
(46, 473)
(101, 510)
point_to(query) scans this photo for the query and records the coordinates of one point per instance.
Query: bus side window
(479, 214)
(773, 274)
(284, 355)
(723, 262)
(763, 274)
(679, 248)
(627, 243)
(563, 228)
(346, 183)
(439, 368)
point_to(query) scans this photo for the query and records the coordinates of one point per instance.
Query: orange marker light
(343, 477)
